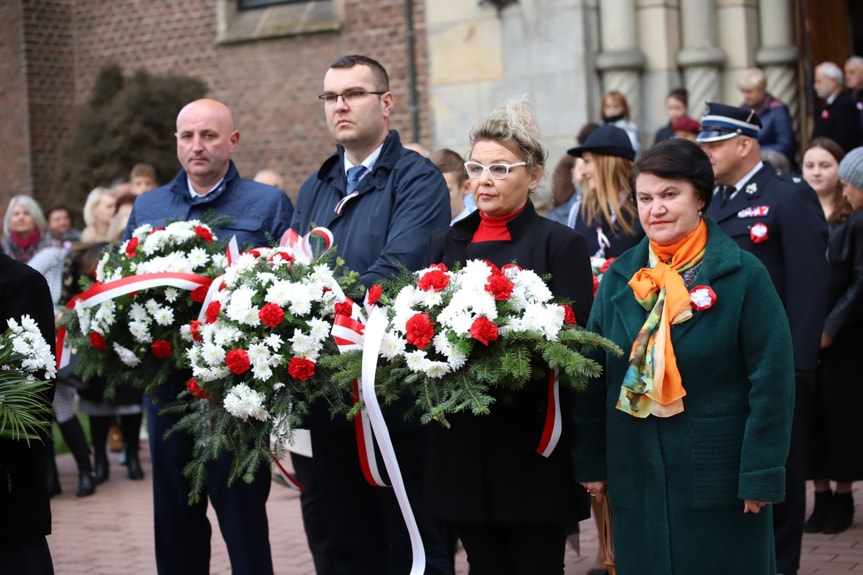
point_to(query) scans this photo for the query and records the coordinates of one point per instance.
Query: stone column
(700, 58)
(778, 54)
(619, 60)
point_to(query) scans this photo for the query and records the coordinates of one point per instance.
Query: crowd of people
(734, 387)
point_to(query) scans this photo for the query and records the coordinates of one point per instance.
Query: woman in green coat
(687, 432)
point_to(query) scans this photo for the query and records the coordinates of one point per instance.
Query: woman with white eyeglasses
(510, 506)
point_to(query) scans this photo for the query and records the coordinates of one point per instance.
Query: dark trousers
(498, 549)
(366, 530)
(183, 530)
(790, 515)
(27, 557)
(313, 515)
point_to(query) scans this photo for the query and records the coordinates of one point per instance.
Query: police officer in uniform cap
(779, 220)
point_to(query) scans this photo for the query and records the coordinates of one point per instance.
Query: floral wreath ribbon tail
(374, 333)
(302, 245)
(101, 293)
(553, 423)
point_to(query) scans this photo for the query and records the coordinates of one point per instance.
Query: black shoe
(820, 512)
(101, 469)
(841, 514)
(133, 464)
(86, 484)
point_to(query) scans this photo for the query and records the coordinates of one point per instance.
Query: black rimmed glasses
(496, 171)
(348, 96)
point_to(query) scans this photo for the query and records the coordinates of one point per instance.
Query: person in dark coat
(693, 447)
(839, 118)
(778, 219)
(676, 103)
(24, 498)
(382, 202)
(510, 506)
(836, 450)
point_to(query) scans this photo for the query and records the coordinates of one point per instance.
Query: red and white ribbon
(302, 245)
(553, 423)
(374, 333)
(290, 480)
(101, 293)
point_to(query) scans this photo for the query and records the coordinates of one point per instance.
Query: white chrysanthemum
(105, 313)
(392, 346)
(431, 298)
(279, 293)
(319, 329)
(245, 262)
(241, 309)
(186, 333)
(84, 316)
(198, 258)
(212, 354)
(226, 334)
(140, 331)
(458, 320)
(273, 341)
(437, 369)
(262, 372)
(171, 294)
(137, 312)
(259, 354)
(457, 358)
(29, 343)
(416, 361)
(100, 267)
(164, 315)
(243, 402)
(303, 345)
(265, 278)
(301, 297)
(127, 356)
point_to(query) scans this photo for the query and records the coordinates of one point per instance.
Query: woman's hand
(595, 488)
(826, 340)
(752, 506)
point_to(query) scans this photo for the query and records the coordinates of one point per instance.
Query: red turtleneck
(494, 229)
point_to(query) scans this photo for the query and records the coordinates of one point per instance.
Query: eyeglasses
(496, 171)
(348, 96)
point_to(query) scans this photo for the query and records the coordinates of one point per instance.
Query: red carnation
(131, 248)
(282, 256)
(494, 268)
(204, 233)
(435, 279)
(375, 293)
(199, 294)
(195, 389)
(161, 348)
(154, 230)
(301, 368)
(237, 361)
(195, 329)
(213, 311)
(604, 267)
(595, 284)
(345, 308)
(271, 314)
(499, 286)
(98, 341)
(568, 314)
(253, 253)
(420, 330)
(483, 330)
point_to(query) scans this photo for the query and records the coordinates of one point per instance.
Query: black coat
(24, 501)
(794, 251)
(839, 121)
(485, 468)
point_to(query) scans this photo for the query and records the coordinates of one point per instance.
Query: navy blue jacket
(794, 251)
(399, 204)
(777, 130)
(259, 213)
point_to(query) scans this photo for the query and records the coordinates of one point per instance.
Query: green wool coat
(676, 485)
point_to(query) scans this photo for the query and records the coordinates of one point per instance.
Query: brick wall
(14, 135)
(271, 85)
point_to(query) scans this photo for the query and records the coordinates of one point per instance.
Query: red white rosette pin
(702, 297)
(758, 233)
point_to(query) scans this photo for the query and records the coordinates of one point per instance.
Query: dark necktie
(727, 192)
(354, 175)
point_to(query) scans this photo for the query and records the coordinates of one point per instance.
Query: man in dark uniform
(779, 220)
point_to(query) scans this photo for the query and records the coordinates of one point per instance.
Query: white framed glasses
(496, 171)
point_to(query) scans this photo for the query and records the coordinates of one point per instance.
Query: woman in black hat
(606, 217)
